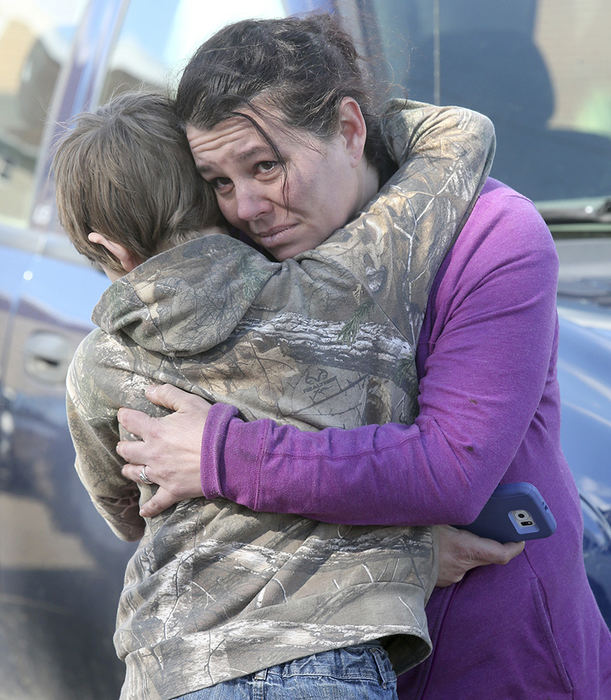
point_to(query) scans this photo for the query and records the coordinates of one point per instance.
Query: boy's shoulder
(92, 380)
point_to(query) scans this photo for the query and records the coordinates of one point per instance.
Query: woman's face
(285, 210)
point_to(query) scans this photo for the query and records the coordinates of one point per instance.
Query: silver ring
(144, 478)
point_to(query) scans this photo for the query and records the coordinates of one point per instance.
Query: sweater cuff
(231, 456)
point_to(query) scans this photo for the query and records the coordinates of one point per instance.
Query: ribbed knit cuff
(231, 456)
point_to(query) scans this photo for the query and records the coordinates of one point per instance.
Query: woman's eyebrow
(253, 151)
(248, 154)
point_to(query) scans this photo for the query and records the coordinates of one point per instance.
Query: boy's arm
(395, 247)
(95, 432)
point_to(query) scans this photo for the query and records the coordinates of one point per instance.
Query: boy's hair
(126, 171)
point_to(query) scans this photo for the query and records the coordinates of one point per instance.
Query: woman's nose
(252, 202)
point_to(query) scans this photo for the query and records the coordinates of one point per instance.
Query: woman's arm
(459, 550)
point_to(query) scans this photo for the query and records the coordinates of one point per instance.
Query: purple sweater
(489, 413)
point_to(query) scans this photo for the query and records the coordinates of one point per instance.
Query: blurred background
(539, 68)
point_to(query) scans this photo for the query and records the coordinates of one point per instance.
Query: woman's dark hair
(302, 67)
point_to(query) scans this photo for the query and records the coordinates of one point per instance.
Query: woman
(488, 403)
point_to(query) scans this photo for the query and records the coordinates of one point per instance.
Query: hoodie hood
(188, 299)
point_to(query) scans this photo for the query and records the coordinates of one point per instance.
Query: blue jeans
(361, 672)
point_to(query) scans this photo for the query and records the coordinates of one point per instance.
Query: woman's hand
(461, 550)
(169, 446)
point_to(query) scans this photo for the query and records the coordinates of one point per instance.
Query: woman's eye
(267, 166)
(220, 183)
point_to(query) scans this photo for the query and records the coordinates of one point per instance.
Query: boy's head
(125, 171)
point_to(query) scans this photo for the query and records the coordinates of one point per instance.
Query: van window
(538, 68)
(153, 47)
(35, 40)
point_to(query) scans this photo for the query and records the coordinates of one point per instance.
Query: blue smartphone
(514, 512)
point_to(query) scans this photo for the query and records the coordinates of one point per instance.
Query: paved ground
(57, 609)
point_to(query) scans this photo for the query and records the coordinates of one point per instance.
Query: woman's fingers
(174, 486)
(169, 446)
(460, 551)
(175, 399)
(132, 471)
(135, 422)
(142, 426)
(174, 439)
(161, 500)
(158, 503)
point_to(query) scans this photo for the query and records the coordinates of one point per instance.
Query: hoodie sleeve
(92, 419)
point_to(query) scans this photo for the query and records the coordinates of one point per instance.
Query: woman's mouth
(274, 236)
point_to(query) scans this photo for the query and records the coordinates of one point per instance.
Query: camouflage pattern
(215, 591)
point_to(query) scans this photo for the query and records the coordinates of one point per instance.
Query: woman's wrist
(231, 455)
(212, 448)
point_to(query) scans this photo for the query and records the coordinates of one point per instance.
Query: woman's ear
(125, 258)
(353, 128)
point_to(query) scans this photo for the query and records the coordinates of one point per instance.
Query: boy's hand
(168, 446)
(461, 550)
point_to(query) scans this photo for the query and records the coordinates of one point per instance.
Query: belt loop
(260, 675)
(383, 665)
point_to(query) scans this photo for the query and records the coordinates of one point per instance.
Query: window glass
(35, 38)
(156, 40)
(574, 39)
(538, 68)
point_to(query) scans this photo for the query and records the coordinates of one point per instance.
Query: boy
(216, 592)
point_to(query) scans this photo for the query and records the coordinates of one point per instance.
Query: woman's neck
(370, 184)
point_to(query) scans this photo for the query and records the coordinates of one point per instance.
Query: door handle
(47, 356)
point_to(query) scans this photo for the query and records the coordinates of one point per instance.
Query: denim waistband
(367, 661)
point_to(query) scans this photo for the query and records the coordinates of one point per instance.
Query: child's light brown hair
(126, 171)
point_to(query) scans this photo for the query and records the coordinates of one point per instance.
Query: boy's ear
(352, 128)
(126, 258)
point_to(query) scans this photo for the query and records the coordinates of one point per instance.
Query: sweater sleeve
(92, 419)
(493, 323)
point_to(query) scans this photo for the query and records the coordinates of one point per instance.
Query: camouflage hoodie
(215, 591)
